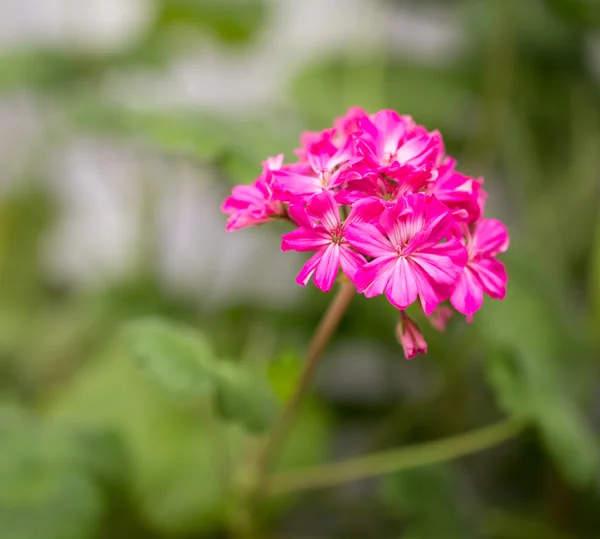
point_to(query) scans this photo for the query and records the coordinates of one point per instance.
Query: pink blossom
(483, 273)
(414, 227)
(362, 181)
(349, 123)
(253, 204)
(410, 337)
(325, 164)
(325, 233)
(391, 142)
(459, 192)
(410, 259)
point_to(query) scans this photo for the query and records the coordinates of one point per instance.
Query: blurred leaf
(175, 479)
(43, 490)
(531, 376)
(181, 360)
(190, 134)
(25, 215)
(283, 375)
(504, 371)
(430, 500)
(178, 358)
(436, 98)
(245, 397)
(233, 21)
(180, 457)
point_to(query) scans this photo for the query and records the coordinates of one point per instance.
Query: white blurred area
(102, 186)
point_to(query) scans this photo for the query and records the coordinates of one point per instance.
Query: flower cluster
(377, 197)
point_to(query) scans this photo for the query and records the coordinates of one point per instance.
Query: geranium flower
(483, 273)
(414, 253)
(325, 233)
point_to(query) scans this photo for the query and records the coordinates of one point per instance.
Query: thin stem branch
(321, 337)
(395, 460)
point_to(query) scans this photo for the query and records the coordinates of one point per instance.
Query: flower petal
(328, 267)
(492, 276)
(324, 208)
(431, 292)
(402, 289)
(373, 277)
(467, 295)
(441, 268)
(491, 237)
(305, 239)
(309, 268)
(368, 240)
(350, 260)
(286, 183)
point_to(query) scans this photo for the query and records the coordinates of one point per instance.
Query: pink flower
(325, 164)
(390, 141)
(410, 337)
(460, 193)
(253, 204)
(322, 231)
(483, 273)
(362, 181)
(410, 258)
(349, 123)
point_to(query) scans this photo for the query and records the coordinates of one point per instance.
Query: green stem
(320, 339)
(395, 460)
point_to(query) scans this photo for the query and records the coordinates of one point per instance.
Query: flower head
(376, 196)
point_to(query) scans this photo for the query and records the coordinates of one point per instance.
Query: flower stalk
(329, 475)
(321, 337)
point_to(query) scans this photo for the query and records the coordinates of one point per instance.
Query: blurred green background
(124, 123)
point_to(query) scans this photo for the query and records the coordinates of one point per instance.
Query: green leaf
(530, 373)
(283, 375)
(176, 357)
(242, 396)
(181, 361)
(43, 491)
(175, 450)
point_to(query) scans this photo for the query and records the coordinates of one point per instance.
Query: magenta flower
(391, 142)
(253, 204)
(409, 257)
(376, 196)
(458, 192)
(483, 273)
(410, 337)
(326, 235)
(325, 164)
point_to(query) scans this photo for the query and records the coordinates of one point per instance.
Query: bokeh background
(124, 123)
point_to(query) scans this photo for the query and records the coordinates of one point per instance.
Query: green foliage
(181, 360)
(44, 490)
(233, 21)
(531, 378)
(432, 96)
(426, 500)
(283, 375)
